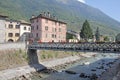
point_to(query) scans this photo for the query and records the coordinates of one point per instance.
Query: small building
(47, 28)
(2, 28)
(25, 30)
(12, 30)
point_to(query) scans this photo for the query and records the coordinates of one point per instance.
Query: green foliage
(43, 56)
(118, 38)
(49, 56)
(69, 36)
(106, 39)
(72, 12)
(86, 32)
(97, 35)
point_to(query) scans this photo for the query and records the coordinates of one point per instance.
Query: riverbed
(82, 69)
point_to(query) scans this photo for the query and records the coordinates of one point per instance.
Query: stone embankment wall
(8, 46)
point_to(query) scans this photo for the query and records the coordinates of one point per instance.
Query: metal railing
(77, 46)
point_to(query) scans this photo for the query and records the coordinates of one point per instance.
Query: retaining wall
(7, 46)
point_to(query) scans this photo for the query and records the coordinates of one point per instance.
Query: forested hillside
(71, 11)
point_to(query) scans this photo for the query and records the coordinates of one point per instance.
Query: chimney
(33, 16)
(49, 14)
(44, 13)
(53, 17)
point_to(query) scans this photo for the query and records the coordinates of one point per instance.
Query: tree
(69, 36)
(97, 35)
(118, 38)
(86, 32)
(106, 39)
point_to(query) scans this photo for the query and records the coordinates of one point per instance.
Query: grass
(12, 58)
(16, 58)
(48, 55)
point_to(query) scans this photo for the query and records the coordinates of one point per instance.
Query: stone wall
(8, 46)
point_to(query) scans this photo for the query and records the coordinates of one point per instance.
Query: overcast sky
(110, 7)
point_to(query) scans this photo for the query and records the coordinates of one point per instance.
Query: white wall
(2, 31)
(22, 31)
(8, 46)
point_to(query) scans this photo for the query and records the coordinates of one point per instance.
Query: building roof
(11, 20)
(24, 22)
(3, 16)
(48, 17)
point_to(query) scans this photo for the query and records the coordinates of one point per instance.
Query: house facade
(25, 30)
(47, 28)
(12, 30)
(2, 28)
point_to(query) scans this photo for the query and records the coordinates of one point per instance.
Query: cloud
(83, 1)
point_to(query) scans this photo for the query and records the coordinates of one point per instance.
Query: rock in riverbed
(70, 72)
(82, 75)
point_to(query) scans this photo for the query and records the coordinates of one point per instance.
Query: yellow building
(12, 30)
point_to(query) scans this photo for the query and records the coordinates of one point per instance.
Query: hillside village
(42, 28)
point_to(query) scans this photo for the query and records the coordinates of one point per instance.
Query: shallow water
(98, 64)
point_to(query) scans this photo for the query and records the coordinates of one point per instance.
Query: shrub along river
(89, 68)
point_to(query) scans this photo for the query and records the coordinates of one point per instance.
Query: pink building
(45, 28)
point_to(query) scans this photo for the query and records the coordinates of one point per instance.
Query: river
(80, 70)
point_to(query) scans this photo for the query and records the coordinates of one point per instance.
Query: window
(10, 34)
(59, 24)
(36, 34)
(24, 28)
(46, 21)
(17, 34)
(59, 29)
(32, 27)
(10, 26)
(55, 23)
(46, 28)
(37, 27)
(29, 29)
(55, 36)
(52, 35)
(17, 26)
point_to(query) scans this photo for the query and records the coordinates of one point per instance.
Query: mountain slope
(71, 11)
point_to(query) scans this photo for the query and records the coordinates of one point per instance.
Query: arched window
(10, 40)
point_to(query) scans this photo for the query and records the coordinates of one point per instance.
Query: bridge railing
(77, 46)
